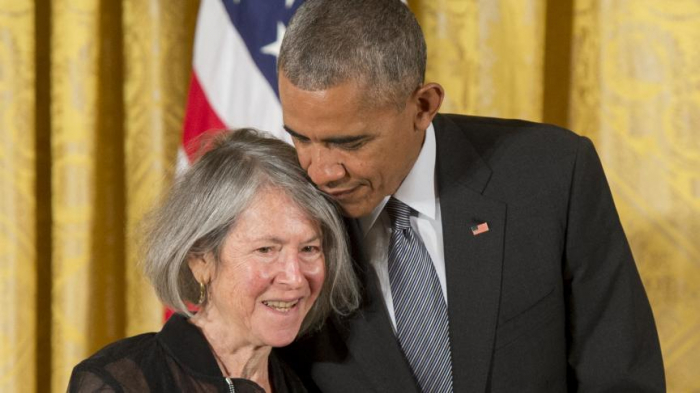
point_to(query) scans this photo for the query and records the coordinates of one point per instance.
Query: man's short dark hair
(374, 42)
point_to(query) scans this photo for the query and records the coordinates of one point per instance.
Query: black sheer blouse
(177, 359)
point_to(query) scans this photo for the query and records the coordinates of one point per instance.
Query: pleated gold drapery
(18, 269)
(91, 102)
(475, 48)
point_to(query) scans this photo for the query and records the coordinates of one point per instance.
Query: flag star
(273, 48)
(288, 3)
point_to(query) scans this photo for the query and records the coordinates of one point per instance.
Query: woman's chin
(280, 338)
(279, 328)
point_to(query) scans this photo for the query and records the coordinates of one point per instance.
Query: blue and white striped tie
(420, 308)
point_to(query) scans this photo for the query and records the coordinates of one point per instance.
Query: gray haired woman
(247, 238)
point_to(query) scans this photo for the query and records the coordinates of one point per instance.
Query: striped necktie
(420, 308)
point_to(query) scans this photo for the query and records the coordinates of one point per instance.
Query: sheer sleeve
(88, 381)
(122, 375)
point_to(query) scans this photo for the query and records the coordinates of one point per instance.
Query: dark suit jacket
(548, 300)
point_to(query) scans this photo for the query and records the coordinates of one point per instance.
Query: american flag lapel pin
(479, 229)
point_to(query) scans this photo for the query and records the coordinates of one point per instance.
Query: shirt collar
(418, 188)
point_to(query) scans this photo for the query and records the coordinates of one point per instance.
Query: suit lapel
(473, 263)
(369, 335)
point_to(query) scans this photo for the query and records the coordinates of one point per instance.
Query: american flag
(234, 77)
(479, 229)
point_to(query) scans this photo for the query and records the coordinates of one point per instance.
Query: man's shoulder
(491, 128)
(512, 138)
(519, 158)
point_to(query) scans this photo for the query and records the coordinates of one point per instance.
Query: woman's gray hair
(377, 43)
(204, 203)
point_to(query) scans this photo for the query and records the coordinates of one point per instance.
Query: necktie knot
(399, 213)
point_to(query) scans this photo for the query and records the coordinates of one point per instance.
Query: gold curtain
(92, 95)
(636, 94)
(625, 73)
(18, 206)
(487, 54)
(91, 102)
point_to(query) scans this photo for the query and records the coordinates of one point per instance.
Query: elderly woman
(246, 237)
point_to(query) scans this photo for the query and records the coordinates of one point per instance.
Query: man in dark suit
(522, 238)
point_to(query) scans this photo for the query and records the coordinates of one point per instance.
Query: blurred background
(92, 102)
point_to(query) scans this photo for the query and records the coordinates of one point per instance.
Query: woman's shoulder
(122, 363)
(133, 348)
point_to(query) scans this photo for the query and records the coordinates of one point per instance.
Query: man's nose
(323, 167)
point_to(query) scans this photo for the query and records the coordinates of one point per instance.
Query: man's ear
(428, 99)
(202, 267)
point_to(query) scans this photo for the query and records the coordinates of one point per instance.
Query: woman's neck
(236, 357)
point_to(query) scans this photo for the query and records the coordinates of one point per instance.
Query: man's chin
(355, 210)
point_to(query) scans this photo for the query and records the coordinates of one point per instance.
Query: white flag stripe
(235, 88)
(183, 163)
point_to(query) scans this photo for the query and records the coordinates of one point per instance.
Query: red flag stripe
(199, 118)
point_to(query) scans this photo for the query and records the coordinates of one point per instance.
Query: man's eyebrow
(338, 140)
(294, 134)
(342, 140)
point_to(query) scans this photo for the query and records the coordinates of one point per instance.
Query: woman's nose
(290, 273)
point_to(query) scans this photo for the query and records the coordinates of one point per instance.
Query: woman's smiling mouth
(279, 305)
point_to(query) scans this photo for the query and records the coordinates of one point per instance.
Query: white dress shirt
(418, 191)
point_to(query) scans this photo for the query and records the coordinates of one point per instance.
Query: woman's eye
(310, 249)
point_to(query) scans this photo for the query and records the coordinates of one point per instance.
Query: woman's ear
(202, 266)
(428, 99)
